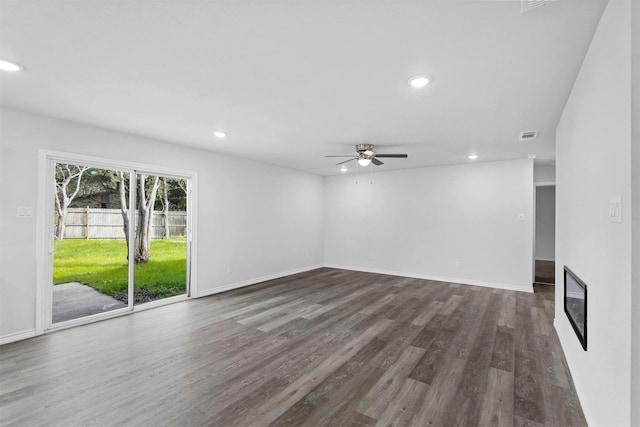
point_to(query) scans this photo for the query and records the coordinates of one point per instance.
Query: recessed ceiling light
(343, 169)
(531, 156)
(220, 134)
(419, 81)
(10, 66)
(473, 156)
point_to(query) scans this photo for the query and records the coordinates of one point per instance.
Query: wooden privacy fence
(96, 223)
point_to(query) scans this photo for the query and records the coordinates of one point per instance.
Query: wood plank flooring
(323, 348)
(545, 272)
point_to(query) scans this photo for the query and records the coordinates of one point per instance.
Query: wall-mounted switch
(521, 217)
(615, 209)
(24, 212)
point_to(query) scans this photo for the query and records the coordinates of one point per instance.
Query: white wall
(262, 220)
(544, 174)
(593, 165)
(635, 191)
(546, 223)
(420, 222)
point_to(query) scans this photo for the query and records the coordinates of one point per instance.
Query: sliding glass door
(118, 238)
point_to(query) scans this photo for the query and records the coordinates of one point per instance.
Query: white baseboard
(250, 282)
(436, 278)
(17, 336)
(545, 259)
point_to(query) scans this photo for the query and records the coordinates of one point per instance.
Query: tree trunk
(67, 174)
(145, 215)
(62, 217)
(142, 236)
(61, 207)
(123, 208)
(165, 208)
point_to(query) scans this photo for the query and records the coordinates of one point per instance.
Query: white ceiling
(293, 81)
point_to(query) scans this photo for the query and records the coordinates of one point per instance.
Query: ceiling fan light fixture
(419, 81)
(364, 161)
(366, 155)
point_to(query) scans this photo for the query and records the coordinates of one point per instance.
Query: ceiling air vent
(529, 135)
(528, 5)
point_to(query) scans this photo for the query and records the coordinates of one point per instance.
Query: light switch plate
(24, 212)
(615, 209)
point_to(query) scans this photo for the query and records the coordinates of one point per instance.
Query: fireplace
(575, 304)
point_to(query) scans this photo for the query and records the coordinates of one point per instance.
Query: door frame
(44, 227)
(535, 206)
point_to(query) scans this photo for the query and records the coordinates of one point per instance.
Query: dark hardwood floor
(323, 348)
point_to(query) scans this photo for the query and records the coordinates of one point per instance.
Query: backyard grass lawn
(102, 264)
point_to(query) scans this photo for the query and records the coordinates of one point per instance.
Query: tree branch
(79, 175)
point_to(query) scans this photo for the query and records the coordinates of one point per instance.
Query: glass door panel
(89, 254)
(160, 251)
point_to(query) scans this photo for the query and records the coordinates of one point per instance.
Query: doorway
(545, 234)
(118, 239)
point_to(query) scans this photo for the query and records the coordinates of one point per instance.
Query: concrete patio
(74, 300)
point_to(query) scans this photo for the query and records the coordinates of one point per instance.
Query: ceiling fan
(365, 155)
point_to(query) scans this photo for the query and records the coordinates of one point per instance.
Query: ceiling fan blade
(344, 155)
(376, 162)
(347, 161)
(396, 156)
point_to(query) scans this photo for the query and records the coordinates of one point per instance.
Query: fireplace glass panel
(575, 304)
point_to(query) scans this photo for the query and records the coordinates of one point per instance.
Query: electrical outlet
(457, 264)
(229, 269)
